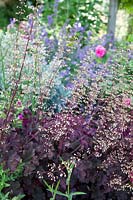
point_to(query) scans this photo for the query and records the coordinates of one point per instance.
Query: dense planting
(64, 97)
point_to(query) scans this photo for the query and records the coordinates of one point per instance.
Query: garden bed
(65, 114)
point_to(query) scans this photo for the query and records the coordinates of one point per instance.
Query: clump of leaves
(98, 140)
(5, 179)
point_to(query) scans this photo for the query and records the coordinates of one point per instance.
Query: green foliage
(130, 38)
(5, 178)
(54, 191)
(87, 12)
(13, 11)
(130, 29)
(4, 17)
(127, 5)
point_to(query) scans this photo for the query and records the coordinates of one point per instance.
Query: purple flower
(56, 6)
(44, 33)
(89, 33)
(50, 19)
(40, 10)
(30, 20)
(12, 23)
(64, 73)
(20, 116)
(78, 27)
(70, 85)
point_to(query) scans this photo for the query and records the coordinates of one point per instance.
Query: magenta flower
(127, 101)
(19, 103)
(100, 51)
(20, 116)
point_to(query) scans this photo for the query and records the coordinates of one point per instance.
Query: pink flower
(20, 116)
(127, 101)
(100, 51)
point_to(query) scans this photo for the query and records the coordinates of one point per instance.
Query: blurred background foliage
(127, 5)
(11, 9)
(92, 14)
(88, 13)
